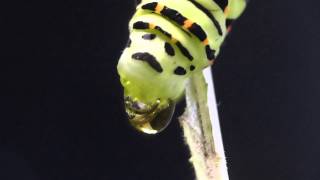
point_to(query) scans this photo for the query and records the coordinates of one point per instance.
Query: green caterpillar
(170, 40)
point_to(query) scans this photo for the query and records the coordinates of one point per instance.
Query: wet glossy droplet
(150, 119)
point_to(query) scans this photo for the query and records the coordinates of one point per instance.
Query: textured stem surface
(200, 124)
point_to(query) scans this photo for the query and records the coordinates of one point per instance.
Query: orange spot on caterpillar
(174, 41)
(152, 26)
(205, 42)
(187, 23)
(159, 8)
(226, 11)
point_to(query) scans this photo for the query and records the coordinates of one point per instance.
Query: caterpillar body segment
(169, 41)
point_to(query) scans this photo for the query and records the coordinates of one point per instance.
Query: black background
(62, 116)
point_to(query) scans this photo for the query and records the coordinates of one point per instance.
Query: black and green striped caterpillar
(170, 40)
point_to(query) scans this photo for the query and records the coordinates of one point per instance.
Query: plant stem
(201, 127)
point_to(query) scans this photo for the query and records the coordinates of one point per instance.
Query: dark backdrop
(62, 115)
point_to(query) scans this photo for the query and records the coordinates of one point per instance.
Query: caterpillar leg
(233, 11)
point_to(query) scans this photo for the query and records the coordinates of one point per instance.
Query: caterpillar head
(149, 118)
(151, 86)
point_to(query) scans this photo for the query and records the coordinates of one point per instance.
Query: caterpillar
(169, 41)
